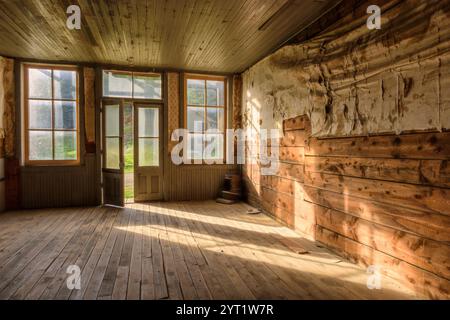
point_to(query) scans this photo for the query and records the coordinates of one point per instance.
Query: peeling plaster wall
(353, 81)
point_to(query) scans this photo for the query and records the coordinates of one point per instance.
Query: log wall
(381, 200)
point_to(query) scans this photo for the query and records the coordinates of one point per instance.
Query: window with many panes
(205, 101)
(51, 115)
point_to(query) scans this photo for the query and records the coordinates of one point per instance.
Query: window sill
(52, 164)
(203, 164)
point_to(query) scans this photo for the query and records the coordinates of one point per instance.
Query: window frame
(26, 67)
(205, 77)
(132, 74)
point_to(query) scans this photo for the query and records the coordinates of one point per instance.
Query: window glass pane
(213, 146)
(39, 114)
(215, 90)
(148, 122)
(195, 92)
(195, 119)
(40, 83)
(195, 146)
(65, 84)
(112, 153)
(40, 145)
(112, 118)
(65, 145)
(65, 115)
(117, 84)
(215, 119)
(147, 87)
(148, 152)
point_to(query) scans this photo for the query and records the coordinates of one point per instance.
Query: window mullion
(132, 85)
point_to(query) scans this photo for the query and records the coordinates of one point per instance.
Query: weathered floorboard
(184, 250)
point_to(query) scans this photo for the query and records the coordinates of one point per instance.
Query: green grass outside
(129, 169)
(129, 192)
(129, 159)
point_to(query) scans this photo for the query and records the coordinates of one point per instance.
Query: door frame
(135, 103)
(99, 97)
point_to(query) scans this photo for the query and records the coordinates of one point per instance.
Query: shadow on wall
(380, 200)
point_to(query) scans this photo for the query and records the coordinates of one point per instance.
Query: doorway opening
(128, 149)
(131, 151)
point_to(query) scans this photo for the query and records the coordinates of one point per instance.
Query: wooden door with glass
(113, 155)
(148, 152)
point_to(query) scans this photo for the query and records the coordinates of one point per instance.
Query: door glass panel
(112, 120)
(112, 136)
(148, 152)
(113, 153)
(148, 136)
(148, 123)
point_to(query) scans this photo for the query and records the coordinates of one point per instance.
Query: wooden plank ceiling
(204, 35)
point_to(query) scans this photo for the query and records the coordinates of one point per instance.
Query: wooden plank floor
(184, 250)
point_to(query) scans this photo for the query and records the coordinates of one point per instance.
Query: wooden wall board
(378, 199)
(432, 145)
(427, 225)
(422, 172)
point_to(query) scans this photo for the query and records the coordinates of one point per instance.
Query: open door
(148, 152)
(113, 159)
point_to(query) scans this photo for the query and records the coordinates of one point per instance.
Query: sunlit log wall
(364, 157)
